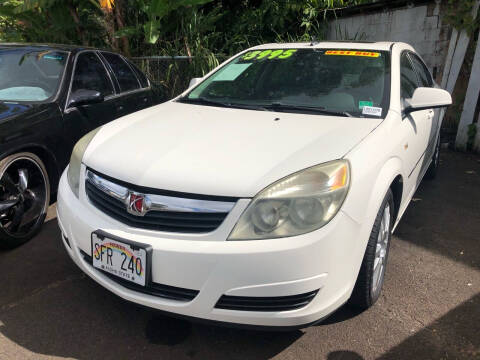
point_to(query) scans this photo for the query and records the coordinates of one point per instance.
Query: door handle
(430, 114)
(120, 108)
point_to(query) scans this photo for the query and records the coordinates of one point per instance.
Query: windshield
(340, 82)
(30, 75)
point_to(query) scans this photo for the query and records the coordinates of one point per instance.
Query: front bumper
(326, 260)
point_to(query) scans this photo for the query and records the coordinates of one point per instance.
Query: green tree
(10, 30)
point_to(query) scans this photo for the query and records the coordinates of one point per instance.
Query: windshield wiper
(263, 107)
(314, 109)
(204, 101)
(201, 101)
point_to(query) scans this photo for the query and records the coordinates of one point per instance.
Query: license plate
(127, 261)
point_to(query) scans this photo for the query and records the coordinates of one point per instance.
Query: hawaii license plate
(120, 258)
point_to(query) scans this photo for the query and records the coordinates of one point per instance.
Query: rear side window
(140, 75)
(125, 76)
(422, 71)
(90, 74)
(408, 82)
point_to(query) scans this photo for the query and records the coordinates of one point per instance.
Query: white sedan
(267, 193)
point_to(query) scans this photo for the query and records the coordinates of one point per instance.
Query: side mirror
(194, 82)
(85, 97)
(427, 98)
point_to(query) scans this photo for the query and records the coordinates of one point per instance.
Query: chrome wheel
(24, 195)
(381, 249)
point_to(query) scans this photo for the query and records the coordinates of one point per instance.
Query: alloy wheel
(23, 196)
(381, 249)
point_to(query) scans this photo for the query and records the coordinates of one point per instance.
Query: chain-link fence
(171, 73)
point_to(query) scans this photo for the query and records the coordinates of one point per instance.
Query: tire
(24, 198)
(370, 278)
(432, 169)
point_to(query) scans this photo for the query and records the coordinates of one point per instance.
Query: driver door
(433, 123)
(89, 74)
(415, 127)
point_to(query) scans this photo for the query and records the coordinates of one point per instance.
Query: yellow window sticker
(352, 53)
(275, 53)
(263, 54)
(287, 53)
(269, 54)
(251, 55)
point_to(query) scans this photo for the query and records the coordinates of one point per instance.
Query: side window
(408, 81)
(140, 75)
(90, 74)
(125, 76)
(422, 71)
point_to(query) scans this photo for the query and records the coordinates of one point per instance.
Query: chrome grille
(193, 214)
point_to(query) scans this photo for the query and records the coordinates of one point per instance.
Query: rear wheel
(372, 272)
(24, 198)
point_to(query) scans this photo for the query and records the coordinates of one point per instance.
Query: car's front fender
(368, 189)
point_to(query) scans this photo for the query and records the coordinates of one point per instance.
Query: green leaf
(29, 5)
(157, 10)
(151, 32)
(127, 31)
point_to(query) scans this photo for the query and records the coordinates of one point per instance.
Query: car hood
(219, 151)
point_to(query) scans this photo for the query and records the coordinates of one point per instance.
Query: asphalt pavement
(429, 308)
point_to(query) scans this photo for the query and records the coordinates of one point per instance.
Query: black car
(50, 96)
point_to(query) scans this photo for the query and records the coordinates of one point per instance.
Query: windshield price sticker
(371, 110)
(269, 54)
(352, 53)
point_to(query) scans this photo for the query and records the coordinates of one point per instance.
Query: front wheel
(372, 271)
(24, 198)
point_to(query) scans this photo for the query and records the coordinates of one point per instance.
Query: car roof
(361, 45)
(36, 46)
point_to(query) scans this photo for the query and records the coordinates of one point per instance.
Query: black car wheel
(24, 198)
(372, 272)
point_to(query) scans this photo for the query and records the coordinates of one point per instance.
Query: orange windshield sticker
(352, 53)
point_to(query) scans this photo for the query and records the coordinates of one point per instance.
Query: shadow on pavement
(31, 268)
(345, 313)
(444, 216)
(344, 355)
(453, 336)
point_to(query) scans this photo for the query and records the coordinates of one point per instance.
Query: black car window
(140, 75)
(422, 71)
(125, 76)
(30, 74)
(90, 74)
(408, 82)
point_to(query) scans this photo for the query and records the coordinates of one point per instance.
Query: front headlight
(73, 173)
(297, 204)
